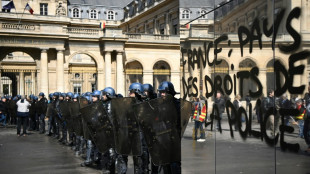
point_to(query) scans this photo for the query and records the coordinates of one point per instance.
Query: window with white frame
(111, 15)
(76, 13)
(93, 14)
(185, 14)
(203, 14)
(43, 8)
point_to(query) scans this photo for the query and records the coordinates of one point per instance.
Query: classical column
(155, 26)
(120, 74)
(148, 77)
(175, 80)
(22, 83)
(100, 79)
(44, 72)
(262, 76)
(107, 68)
(60, 71)
(167, 30)
(33, 80)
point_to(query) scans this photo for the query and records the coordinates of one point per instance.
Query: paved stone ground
(39, 154)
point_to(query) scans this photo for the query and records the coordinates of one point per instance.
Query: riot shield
(99, 125)
(158, 121)
(86, 132)
(74, 108)
(64, 110)
(83, 102)
(50, 110)
(126, 128)
(186, 109)
(76, 120)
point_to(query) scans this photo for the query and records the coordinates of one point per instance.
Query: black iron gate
(9, 83)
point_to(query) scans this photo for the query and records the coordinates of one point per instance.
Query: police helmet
(136, 88)
(167, 87)
(63, 95)
(88, 98)
(148, 87)
(109, 92)
(15, 98)
(75, 96)
(96, 93)
(41, 94)
(50, 95)
(120, 96)
(56, 94)
(19, 96)
(70, 94)
(35, 98)
(88, 94)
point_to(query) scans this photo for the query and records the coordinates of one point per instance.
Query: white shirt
(23, 107)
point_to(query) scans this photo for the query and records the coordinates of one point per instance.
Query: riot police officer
(164, 89)
(149, 94)
(90, 147)
(69, 98)
(108, 158)
(55, 118)
(41, 107)
(61, 120)
(51, 120)
(32, 113)
(140, 162)
(78, 132)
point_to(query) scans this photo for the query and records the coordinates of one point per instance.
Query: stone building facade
(50, 51)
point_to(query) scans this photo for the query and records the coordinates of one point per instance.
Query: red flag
(188, 26)
(29, 8)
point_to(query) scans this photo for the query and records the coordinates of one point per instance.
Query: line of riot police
(113, 128)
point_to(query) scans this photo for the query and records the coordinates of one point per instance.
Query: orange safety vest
(301, 115)
(203, 114)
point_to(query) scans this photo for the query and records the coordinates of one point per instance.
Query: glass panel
(196, 34)
(292, 52)
(258, 65)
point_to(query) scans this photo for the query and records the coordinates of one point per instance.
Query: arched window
(271, 77)
(247, 83)
(134, 73)
(82, 73)
(111, 15)
(162, 73)
(185, 14)
(203, 14)
(76, 13)
(93, 14)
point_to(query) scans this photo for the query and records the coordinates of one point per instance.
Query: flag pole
(22, 15)
(15, 9)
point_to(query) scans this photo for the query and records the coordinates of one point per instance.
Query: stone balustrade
(82, 31)
(17, 26)
(153, 38)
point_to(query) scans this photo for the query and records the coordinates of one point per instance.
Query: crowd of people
(66, 122)
(302, 120)
(66, 115)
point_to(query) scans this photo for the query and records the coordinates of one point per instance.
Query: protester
(22, 115)
(3, 111)
(199, 118)
(300, 117)
(237, 105)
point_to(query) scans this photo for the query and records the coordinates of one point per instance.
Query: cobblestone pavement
(39, 154)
